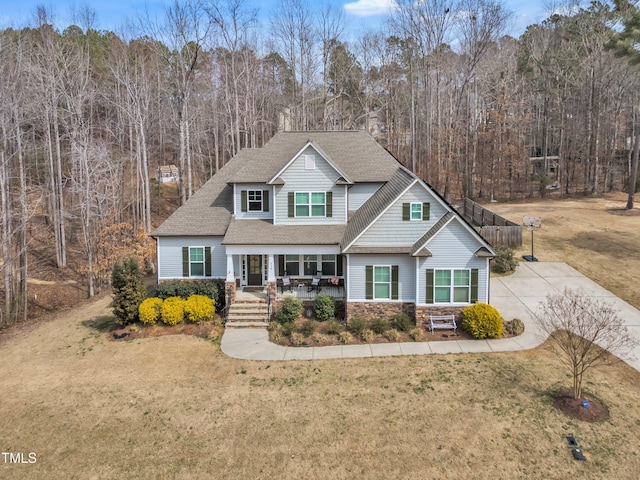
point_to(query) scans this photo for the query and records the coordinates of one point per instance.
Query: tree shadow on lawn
(616, 244)
(102, 323)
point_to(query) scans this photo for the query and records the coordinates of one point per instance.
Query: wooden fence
(496, 230)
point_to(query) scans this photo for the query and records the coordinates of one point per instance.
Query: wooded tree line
(87, 116)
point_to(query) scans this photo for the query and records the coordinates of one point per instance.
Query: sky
(111, 14)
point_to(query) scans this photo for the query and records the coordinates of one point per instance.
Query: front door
(254, 276)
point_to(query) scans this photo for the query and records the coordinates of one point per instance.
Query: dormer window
(254, 200)
(309, 162)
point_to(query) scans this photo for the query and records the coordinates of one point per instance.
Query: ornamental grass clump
(482, 321)
(150, 310)
(368, 336)
(199, 308)
(173, 310)
(416, 334)
(345, 337)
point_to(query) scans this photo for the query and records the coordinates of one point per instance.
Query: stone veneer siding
(371, 310)
(230, 286)
(422, 314)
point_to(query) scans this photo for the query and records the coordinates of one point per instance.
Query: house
(335, 206)
(167, 174)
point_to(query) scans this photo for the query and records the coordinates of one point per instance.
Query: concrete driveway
(518, 296)
(515, 296)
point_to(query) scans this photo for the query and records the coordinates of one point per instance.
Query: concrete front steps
(248, 312)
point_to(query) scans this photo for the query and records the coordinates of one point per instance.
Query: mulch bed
(132, 332)
(427, 336)
(573, 407)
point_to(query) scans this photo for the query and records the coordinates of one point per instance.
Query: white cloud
(368, 8)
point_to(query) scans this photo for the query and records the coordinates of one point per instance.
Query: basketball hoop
(531, 223)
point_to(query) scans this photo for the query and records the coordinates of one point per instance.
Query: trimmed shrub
(185, 288)
(357, 325)
(290, 310)
(416, 334)
(173, 310)
(504, 261)
(297, 339)
(128, 290)
(482, 321)
(199, 308)
(150, 310)
(392, 335)
(309, 327)
(379, 325)
(333, 327)
(324, 307)
(367, 335)
(345, 337)
(515, 326)
(402, 322)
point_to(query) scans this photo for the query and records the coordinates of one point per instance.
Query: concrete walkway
(515, 296)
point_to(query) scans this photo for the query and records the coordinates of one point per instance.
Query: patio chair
(286, 283)
(315, 283)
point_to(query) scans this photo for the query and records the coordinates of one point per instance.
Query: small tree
(582, 329)
(128, 290)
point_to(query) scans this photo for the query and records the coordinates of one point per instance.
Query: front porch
(257, 271)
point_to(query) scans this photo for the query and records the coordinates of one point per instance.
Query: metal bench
(442, 322)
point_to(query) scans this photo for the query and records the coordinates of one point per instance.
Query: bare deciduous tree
(583, 331)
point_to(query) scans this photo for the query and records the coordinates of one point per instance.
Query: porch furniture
(315, 283)
(286, 284)
(442, 322)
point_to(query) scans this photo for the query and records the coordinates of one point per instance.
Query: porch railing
(302, 292)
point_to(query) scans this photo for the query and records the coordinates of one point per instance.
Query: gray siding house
(334, 206)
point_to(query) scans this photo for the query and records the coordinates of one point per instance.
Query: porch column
(230, 274)
(271, 268)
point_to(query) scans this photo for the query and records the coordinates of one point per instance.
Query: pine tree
(128, 290)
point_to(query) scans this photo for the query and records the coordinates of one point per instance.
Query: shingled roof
(264, 232)
(208, 211)
(353, 152)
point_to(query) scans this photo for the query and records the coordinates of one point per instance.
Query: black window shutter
(406, 211)
(474, 285)
(185, 261)
(291, 206)
(329, 204)
(426, 211)
(207, 261)
(281, 264)
(394, 282)
(429, 296)
(243, 200)
(369, 282)
(339, 265)
(265, 200)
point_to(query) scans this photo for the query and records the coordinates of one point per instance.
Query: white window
(381, 282)
(329, 265)
(309, 162)
(292, 265)
(196, 261)
(310, 264)
(452, 286)
(310, 204)
(254, 200)
(416, 211)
